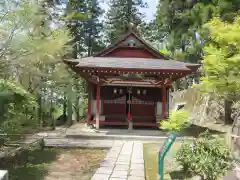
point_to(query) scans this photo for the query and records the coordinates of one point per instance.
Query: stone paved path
(123, 162)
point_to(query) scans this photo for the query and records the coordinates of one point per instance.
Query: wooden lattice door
(142, 108)
(115, 106)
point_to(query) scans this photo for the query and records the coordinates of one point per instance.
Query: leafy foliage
(120, 15)
(17, 108)
(180, 24)
(85, 25)
(208, 157)
(222, 60)
(222, 63)
(33, 44)
(176, 122)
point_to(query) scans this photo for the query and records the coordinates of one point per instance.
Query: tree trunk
(52, 112)
(77, 108)
(39, 111)
(228, 111)
(65, 107)
(69, 104)
(44, 114)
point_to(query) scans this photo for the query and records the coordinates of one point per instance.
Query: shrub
(178, 120)
(208, 157)
(17, 109)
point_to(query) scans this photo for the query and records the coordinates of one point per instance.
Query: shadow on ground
(195, 130)
(179, 175)
(29, 165)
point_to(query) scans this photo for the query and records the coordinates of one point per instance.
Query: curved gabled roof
(132, 33)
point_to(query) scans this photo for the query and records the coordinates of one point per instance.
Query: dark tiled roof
(133, 63)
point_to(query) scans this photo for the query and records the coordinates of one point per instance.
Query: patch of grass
(171, 168)
(53, 164)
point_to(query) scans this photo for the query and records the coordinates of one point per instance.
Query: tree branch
(8, 41)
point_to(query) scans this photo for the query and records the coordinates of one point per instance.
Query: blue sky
(148, 11)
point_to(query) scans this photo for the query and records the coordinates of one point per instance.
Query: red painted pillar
(98, 106)
(89, 104)
(163, 101)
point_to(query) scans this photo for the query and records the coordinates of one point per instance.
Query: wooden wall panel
(114, 109)
(143, 110)
(131, 52)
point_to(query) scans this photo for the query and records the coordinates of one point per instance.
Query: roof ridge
(123, 37)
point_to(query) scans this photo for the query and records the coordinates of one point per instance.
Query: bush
(177, 121)
(17, 109)
(208, 157)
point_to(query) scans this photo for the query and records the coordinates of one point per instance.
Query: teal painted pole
(163, 152)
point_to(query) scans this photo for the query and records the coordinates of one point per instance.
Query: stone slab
(137, 173)
(123, 162)
(100, 177)
(112, 155)
(107, 163)
(68, 142)
(123, 159)
(121, 167)
(105, 170)
(137, 161)
(137, 166)
(135, 178)
(119, 174)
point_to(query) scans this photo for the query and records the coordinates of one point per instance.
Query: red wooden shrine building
(129, 81)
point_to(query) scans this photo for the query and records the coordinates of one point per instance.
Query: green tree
(32, 49)
(93, 28)
(222, 62)
(16, 109)
(180, 24)
(83, 20)
(120, 15)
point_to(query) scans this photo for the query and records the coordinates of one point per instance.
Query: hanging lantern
(144, 91)
(129, 90)
(138, 92)
(120, 91)
(115, 91)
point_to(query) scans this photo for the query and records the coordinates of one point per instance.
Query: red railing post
(98, 106)
(163, 101)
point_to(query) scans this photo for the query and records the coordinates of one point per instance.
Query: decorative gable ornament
(131, 43)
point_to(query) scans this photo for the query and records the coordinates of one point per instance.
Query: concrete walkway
(123, 162)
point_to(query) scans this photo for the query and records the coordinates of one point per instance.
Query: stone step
(75, 143)
(96, 136)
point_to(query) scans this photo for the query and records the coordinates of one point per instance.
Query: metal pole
(162, 155)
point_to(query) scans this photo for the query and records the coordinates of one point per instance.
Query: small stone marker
(3, 175)
(231, 176)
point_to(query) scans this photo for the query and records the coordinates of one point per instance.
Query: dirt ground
(75, 164)
(54, 164)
